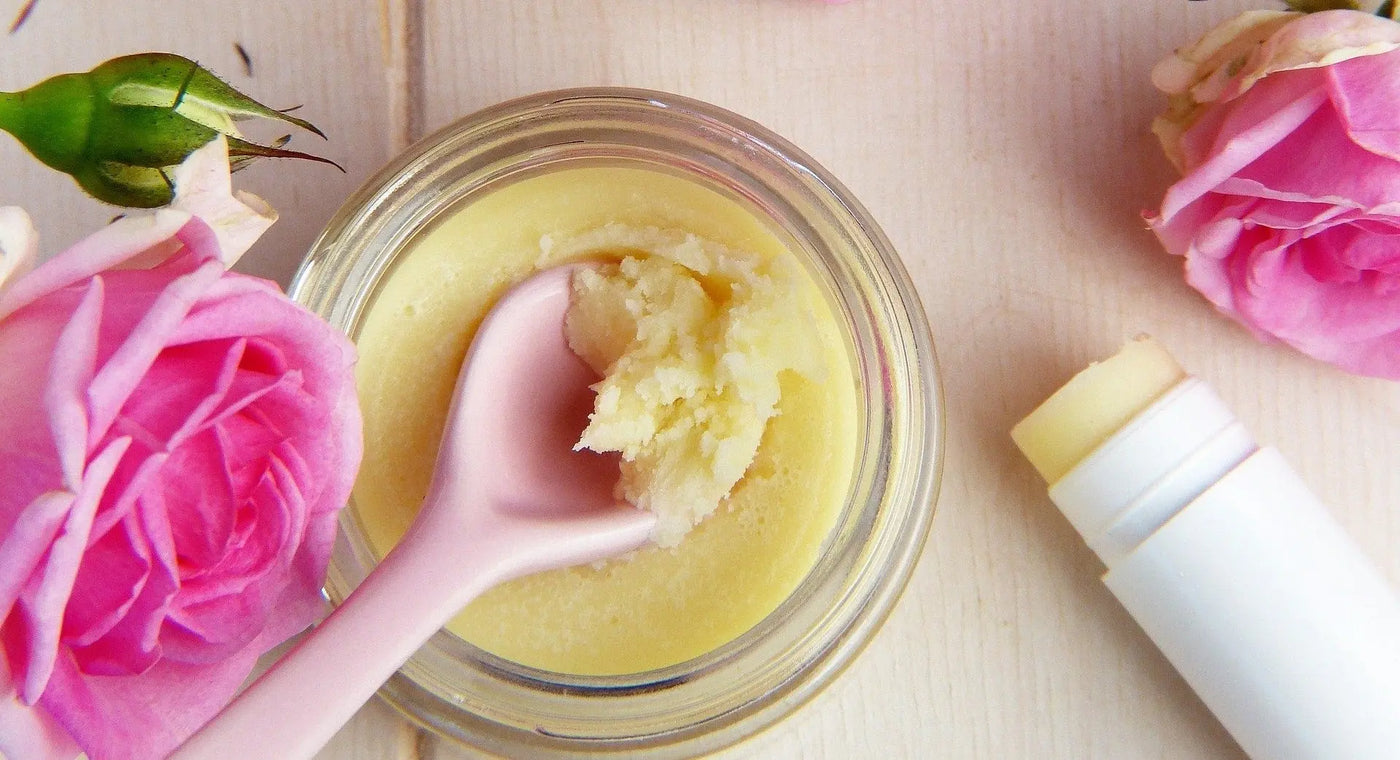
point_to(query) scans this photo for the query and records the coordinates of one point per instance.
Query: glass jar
(714, 700)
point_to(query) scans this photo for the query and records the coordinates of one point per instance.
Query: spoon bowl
(509, 497)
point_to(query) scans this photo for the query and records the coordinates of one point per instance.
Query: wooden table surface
(1005, 149)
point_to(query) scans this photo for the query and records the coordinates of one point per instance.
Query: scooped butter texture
(690, 341)
(659, 606)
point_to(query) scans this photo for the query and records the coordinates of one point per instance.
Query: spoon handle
(298, 705)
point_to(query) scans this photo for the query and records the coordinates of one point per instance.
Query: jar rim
(886, 520)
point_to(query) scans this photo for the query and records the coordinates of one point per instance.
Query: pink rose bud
(175, 443)
(1288, 211)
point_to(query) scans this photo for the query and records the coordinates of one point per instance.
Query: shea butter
(675, 651)
(726, 387)
(692, 342)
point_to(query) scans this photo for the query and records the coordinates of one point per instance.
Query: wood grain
(1004, 148)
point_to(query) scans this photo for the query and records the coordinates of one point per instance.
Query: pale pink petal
(136, 473)
(117, 242)
(29, 464)
(70, 372)
(30, 733)
(133, 644)
(110, 579)
(1366, 92)
(204, 535)
(247, 584)
(144, 716)
(1248, 133)
(1234, 57)
(1294, 169)
(1318, 40)
(26, 541)
(195, 385)
(203, 189)
(122, 372)
(19, 245)
(49, 588)
(1348, 323)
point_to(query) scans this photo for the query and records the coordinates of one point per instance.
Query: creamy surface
(659, 606)
(1093, 405)
(692, 340)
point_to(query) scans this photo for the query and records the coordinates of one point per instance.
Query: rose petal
(30, 732)
(26, 541)
(1243, 135)
(29, 464)
(70, 373)
(202, 535)
(203, 189)
(117, 242)
(1365, 91)
(214, 609)
(213, 380)
(133, 644)
(50, 585)
(1350, 177)
(143, 716)
(122, 372)
(1354, 252)
(1316, 40)
(1203, 68)
(19, 245)
(111, 576)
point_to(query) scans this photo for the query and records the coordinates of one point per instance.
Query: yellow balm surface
(660, 606)
(1094, 405)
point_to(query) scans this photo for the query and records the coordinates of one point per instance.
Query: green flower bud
(122, 128)
(1313, 6)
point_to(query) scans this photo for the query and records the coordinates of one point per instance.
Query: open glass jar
(715, 699)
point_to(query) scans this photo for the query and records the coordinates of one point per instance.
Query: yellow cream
(1093, 405)
(692, 339)
(660, 606)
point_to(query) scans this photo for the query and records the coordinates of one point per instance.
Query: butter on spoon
(509, 497)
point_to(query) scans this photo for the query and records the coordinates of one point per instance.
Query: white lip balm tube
(1232, 567)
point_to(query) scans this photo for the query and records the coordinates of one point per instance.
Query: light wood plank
(1003, 148)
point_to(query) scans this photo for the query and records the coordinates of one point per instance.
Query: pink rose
(1286, 128)
(175, 442)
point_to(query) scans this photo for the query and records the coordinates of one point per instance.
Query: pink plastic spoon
(509, 497)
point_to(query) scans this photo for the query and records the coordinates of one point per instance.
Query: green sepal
(166, 80)
(130, 186)
(1388, 10)
(144, 136)
(244, 151)
(1313, 6)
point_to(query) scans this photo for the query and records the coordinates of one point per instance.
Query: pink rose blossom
(175, 443)
(1286, 128)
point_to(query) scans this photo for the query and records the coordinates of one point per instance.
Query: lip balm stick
(1227, 561)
